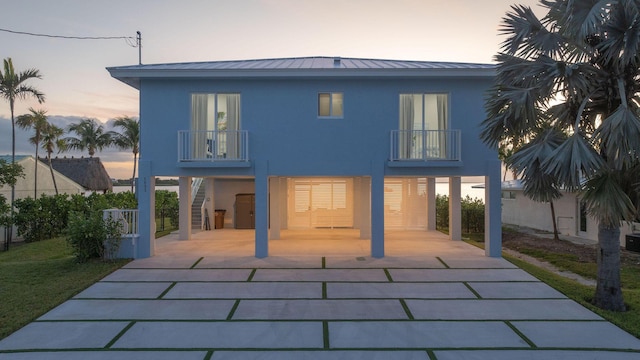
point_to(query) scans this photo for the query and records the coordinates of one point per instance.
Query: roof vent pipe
(336, 61)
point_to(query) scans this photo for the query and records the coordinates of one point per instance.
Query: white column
(274, 208)
(185, 207)
(210, 201)
(493, 210)
(357, 202)
(455, 208)
(284, 207)
(365, 208)
(431, 203)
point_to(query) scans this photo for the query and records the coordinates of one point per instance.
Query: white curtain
(233, 126)
(405, 143)
(443, 109)
(198, 138)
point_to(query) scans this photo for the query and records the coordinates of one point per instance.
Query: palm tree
(129, 138)
(13, 86)
(36, 120)
(49, 142)
(90, 136)
(577, 67)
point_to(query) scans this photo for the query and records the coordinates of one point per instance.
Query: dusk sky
(76, 83)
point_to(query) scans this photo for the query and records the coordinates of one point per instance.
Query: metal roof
(318, 66)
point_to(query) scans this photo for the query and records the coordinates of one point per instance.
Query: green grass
(168, 228)
(36, 277)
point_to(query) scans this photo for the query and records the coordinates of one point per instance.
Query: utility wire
(127, 38)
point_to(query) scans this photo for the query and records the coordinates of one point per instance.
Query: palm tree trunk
(35, 174)
(9, 235)
(554, 221)
(53, 177)
(608, 294)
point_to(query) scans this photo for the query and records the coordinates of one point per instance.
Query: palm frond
(607, 201)
(619, 137)
(572, 160)
(620, 46)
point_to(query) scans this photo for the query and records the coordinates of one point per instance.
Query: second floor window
(330, 105)
(215, 125)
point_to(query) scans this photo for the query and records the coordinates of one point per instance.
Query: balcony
(425, 148)
(224, 148)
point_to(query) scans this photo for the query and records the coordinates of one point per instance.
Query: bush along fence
(91, 223)
(472, 214)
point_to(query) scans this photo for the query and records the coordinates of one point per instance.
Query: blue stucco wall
(286, 134)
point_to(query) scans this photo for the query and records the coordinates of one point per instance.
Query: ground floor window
(320, 203)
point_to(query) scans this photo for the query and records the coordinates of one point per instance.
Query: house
(88, 172)
(571, 216)
(25, 186)
(313, 142)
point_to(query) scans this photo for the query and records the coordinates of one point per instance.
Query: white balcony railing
(212, 145)
(127, 218)
(425, 145)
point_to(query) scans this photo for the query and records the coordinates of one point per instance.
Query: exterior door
(245, 209)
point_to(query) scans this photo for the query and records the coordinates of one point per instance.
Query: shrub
(472, 214)
(90, 236)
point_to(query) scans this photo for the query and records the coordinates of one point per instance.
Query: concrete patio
(319, 297)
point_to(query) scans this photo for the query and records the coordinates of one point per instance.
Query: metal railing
(425, 145)
(128, 219)
(213, 145)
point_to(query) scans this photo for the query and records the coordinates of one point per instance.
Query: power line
(70, 37)
(130, 40)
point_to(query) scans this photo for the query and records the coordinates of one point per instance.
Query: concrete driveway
(447, 301)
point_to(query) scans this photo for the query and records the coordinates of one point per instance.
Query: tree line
(87, 135)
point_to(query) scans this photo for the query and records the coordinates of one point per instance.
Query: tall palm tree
(36, 120)
(90, 136)
(12, 87)
(129, 138)
(51, 139)
(579, 67)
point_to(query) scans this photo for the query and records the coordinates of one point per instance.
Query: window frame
(331, 105)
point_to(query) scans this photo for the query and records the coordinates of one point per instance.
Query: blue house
(316, 142)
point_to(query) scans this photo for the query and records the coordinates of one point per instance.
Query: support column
(185, 207)
(431, 203)
(284, 207)
(274, 208)
(145, 191)
(377, 210)
(455, 208)
(493, 210)
(262, 210)
(357, 202)
(210, 201)
(365, 208)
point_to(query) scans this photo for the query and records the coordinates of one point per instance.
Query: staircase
(196, 216)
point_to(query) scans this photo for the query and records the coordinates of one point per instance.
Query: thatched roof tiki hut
(88, 172)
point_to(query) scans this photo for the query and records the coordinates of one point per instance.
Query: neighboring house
(24, 186)
(571, 216)
(318, 142)
(88, 172)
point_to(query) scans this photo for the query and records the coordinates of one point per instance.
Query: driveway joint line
(196, 263)
(233, 309)
(166, 290)
(519, 333)
(465, 283)
(119, 335)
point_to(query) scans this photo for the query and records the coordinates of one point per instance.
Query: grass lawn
(630, 277)
(36, 277)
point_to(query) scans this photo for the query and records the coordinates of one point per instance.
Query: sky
(77, 85)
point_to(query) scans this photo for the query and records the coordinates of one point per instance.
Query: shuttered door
(405, 203)
(320, 203)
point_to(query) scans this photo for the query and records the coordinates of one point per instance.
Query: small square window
(330, 105)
